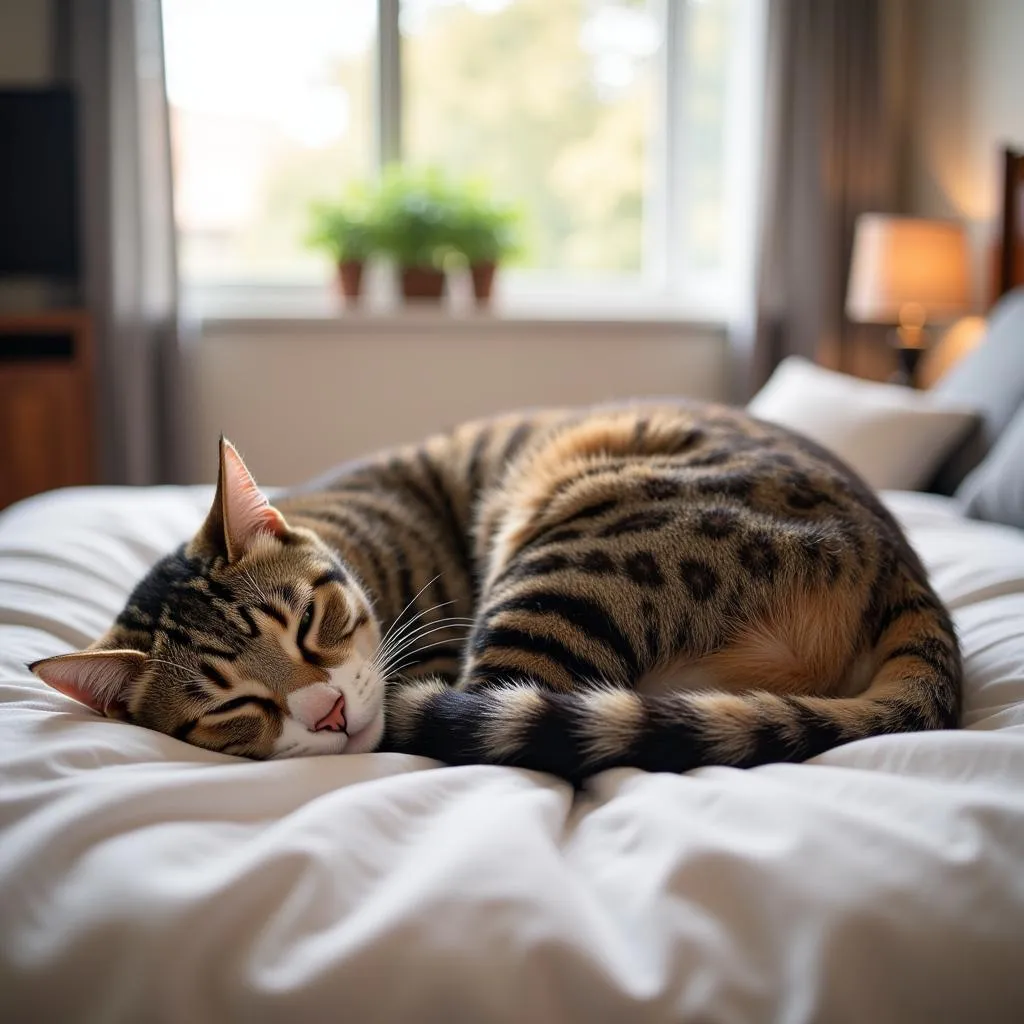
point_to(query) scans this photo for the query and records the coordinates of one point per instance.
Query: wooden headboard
(1009, 270)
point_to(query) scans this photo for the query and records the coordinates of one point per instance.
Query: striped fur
(659, 586)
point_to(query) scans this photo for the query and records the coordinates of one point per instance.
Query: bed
(144, 879)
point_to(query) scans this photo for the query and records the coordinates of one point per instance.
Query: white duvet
(142, 879)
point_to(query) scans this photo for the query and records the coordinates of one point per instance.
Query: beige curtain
(833, 131)
(112, 53)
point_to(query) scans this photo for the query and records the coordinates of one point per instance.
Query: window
(555, 103)
(271, 105)
(626, 130)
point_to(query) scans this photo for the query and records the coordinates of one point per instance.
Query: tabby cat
(658, 586)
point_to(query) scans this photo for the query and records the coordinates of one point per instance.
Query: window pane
(554, 103)
(719, 84)
(271, 106)
(705, 118)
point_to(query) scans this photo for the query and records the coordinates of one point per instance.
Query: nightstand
(46, 402)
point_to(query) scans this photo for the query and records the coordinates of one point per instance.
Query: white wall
(25, 57)
(297, 397)
(968, 99)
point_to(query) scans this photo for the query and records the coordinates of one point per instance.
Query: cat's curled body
(661, 586)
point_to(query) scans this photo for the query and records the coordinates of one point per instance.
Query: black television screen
(38, 208)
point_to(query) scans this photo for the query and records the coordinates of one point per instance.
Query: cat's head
(252, 639)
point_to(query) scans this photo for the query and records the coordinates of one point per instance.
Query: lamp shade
(907, 268)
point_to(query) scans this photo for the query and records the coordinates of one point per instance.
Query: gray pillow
(991, 380)
(995, 489)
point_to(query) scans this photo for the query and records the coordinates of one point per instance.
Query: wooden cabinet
(46, 402)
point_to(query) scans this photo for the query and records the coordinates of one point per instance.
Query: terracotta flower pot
(422, 283)
(483, 282)
(350, 277)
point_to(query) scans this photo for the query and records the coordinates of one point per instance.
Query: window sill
(319, 308)
(419, 322)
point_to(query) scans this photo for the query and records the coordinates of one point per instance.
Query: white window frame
(666, 288)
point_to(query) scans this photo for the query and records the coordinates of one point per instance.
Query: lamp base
(908, 357)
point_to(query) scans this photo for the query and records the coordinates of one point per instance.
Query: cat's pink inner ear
(97, 679)
(247, 513)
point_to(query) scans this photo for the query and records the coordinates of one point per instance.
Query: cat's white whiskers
(431, 627)
(413, 656)
(424, 630)
(399, 643)
(398, 618)
(407, 627)
(406, 653)
(393, 637)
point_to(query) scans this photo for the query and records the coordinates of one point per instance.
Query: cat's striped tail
(577, 734)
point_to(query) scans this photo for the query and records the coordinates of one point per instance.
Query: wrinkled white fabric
(144, 879)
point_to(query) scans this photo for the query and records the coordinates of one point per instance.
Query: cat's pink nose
(334, 720)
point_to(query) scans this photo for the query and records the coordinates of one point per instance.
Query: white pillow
(893, 436)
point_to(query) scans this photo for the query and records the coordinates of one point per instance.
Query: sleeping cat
(658, 586)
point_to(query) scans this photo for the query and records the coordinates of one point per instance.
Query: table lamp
(910, 273)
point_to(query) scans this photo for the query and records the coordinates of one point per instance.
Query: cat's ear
(97, 679)
(240, 511)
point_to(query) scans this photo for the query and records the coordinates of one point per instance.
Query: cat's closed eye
(305, 621)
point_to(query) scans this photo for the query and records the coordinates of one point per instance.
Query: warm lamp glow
(907, 271)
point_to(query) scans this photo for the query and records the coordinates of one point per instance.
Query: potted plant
(347, 232)
(487, 233)
(415, 212)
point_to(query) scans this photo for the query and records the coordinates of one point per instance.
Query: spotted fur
(659, 586)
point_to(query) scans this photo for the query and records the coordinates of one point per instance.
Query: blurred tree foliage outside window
(556, 103)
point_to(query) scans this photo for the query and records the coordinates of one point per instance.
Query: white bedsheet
(142, 879)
